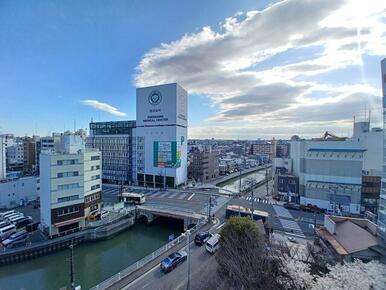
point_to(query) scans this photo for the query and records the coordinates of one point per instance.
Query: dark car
(291, 206)
(173, 260)
(201, 238)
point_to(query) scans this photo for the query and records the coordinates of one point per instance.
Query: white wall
(3, 172)
(162, 116)
(12, 192)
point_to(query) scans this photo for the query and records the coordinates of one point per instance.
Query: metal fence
(139, 264)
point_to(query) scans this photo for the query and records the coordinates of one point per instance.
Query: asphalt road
(200, 261)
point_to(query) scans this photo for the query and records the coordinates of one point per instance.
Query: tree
(242, 258)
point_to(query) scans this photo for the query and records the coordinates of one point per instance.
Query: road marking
(190, 197)
(220, 226)
(183, 195)
(140, 278)
(173, 195)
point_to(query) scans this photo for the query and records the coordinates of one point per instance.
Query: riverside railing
(139, 264)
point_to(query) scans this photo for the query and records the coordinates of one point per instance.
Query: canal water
(93, 262)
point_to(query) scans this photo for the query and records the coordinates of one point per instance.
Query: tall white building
(161, 136)
(382, 200)
(3, 164)
(330, 173)
(71, 184)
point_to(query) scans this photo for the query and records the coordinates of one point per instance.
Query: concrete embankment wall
(236, 176)
(9, 256)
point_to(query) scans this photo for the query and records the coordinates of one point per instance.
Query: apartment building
(204, 165)
(115, 141)
(70, 186)
(264, 148)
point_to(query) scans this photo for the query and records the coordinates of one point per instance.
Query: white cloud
(103, 107)
(236, 66)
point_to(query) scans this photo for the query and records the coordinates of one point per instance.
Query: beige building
(70, 186)
(204, 165)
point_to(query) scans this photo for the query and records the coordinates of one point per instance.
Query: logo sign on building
(166, 154)
(155, 98)
(162, 105)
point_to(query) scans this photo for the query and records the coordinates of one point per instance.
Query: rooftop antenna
(369, 116)
(74, 126)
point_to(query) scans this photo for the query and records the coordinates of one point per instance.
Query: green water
(93, 262)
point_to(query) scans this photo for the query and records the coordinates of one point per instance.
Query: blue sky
(54, 55)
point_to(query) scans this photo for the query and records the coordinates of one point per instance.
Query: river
(93, 262)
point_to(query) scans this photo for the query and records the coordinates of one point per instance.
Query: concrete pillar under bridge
(140, 214)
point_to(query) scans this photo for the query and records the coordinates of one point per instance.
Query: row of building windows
(69, 210)
(68, 174)
(91, 197)
(332, 155)
(67, 162)
(68, 186)
(95, 157)
(95, 177)
(93, 187)
(95, 167)
(68, 198)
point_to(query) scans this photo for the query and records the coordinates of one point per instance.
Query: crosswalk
(282, 212)
(261, 200)
(292, 227)
(152, 193)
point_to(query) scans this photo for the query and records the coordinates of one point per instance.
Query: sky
(253, 69)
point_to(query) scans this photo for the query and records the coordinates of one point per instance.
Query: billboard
(166, 154)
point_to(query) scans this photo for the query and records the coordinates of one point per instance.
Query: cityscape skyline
(242, 84)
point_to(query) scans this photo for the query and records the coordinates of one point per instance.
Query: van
(14, 215)
(7, 216)
(3, 214)
(32, 226)
(16, 218)
(7, 229)
(213, 244)
(22, 222)
(4, 223)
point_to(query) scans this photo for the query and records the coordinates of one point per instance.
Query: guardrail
(139, 264)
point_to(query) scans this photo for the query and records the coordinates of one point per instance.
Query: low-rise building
(70, 186)
(18, 191)
(352, 238)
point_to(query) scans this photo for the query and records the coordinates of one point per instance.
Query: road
(200, 261)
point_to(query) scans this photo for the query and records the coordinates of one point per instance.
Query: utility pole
(266, 177)
(252, 206)
(240, 183)
(72, 266)
(209, 207)
(188, 247)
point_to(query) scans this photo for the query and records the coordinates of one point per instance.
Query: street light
(188, 252)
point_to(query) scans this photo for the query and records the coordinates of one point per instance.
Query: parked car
(292, 239)
(201, 238)
(32, 226)
(292, 206)
(173, 260)
(19, 236)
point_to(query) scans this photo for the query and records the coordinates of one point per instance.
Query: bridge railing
(139, 264)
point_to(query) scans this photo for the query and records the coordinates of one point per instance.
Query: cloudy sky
(253, 69)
